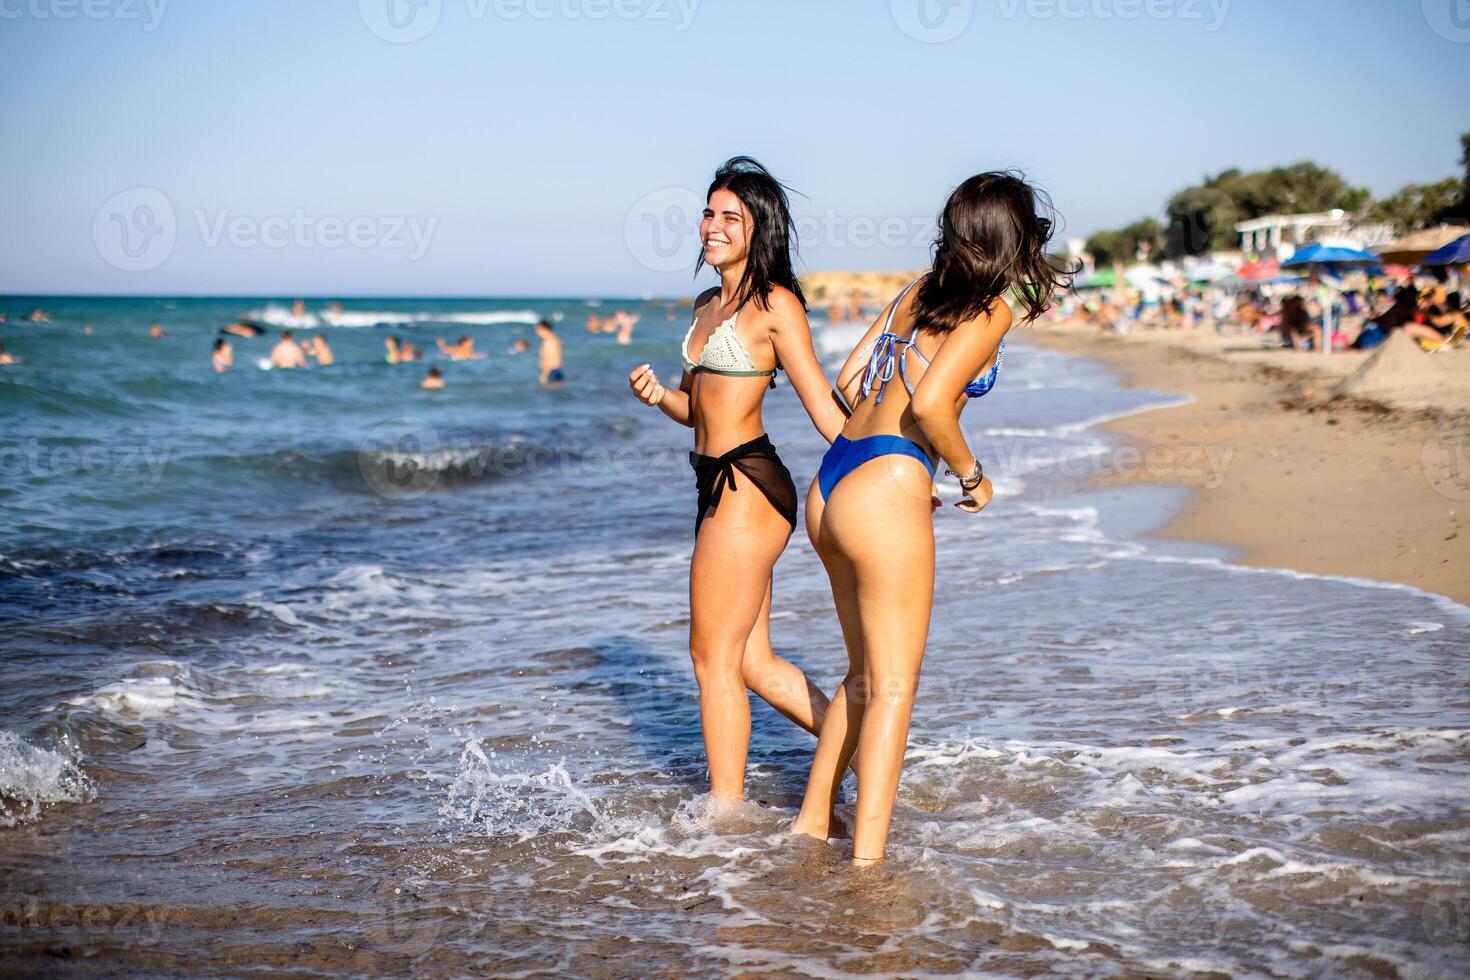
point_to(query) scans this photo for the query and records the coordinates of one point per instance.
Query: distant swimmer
(224, 356)
(288, 353)
(316, 346)
(462, 349)
(434, 380)
(625, 327)
(551, 355)
(39, 316)
(594, 323)
(394, 354)
(242, 329)
(157, 332)
(298, 309)
(520, 346)
(6, 358)
(408, 352)
(86, 330)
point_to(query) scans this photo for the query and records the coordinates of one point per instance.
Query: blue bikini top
(888, 349)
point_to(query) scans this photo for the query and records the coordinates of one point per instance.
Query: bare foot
(830, 829)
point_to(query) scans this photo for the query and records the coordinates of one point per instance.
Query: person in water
(744, 330)
(241, 329)
(433, 381)
(316, 346)
(156, 331)
(551, 355)
(462, 349)
(937, 346)
(288, 353)
(393, 355)
(520, 346)
(224, 356)
(7, 358)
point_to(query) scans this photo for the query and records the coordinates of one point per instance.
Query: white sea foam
(33, 778)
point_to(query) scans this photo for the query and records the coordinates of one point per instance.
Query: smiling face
(725, 230)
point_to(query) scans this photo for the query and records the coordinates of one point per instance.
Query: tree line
(1202, 218)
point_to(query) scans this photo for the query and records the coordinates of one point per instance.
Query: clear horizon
(466, 149)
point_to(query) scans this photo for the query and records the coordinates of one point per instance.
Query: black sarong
(758, 463)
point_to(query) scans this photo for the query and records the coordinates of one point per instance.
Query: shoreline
(1282, 473)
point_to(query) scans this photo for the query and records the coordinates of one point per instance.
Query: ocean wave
(33, 778)
(279, 316)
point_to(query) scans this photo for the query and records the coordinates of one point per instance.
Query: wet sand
(1284, 472)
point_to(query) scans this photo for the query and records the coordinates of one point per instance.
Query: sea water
(317, 671)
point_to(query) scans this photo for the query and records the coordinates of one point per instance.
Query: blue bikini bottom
(847, 455)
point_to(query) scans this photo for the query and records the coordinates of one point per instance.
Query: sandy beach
(1305, 479)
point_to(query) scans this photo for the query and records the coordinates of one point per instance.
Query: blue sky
(553, 147)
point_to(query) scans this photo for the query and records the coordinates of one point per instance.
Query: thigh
(880, 520)
(737, 547)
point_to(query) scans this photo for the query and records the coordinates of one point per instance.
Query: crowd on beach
(1428, 305)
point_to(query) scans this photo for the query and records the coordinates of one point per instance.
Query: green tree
(1202, 218)
(1417, 206)
(1119, 246)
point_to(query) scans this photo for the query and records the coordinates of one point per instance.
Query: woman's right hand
(646, 386)
(975, 501)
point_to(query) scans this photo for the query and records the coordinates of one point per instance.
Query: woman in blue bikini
(751, 325)
(869, 513)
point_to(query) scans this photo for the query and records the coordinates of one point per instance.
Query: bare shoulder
(998, 317)
(782, 309)
(704, 298)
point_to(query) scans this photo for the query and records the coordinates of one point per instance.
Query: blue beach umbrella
(1319, 254)
(1455, 253)
(1329, 257)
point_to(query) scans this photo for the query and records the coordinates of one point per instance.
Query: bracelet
(971, 482)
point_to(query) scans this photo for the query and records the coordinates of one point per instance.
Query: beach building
(1280, 235)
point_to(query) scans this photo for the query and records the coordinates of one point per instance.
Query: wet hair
(287, 335)
(433, 372)
(220, 343)
(772, 233)
(546, 324)
(992, 241)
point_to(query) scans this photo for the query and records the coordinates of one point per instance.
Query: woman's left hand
(976, 499)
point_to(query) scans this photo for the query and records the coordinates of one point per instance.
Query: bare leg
(879, 522)
(729, 579)
(778, 681)
(838, 738)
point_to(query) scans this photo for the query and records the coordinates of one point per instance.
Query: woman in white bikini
(745, 330)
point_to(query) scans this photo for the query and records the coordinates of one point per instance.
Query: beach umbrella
(1413, 249)
(1319, 254)
(1260, 269)
(1329, 258)
(1455, 253)
(1100, 280)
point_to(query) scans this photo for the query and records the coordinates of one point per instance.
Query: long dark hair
(991, 240)
(772, 237)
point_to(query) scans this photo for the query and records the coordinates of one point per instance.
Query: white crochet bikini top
(723, 353)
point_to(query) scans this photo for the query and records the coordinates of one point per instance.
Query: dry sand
(1316, 480)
